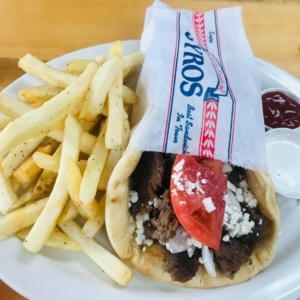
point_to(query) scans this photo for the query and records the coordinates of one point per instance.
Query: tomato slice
(198, 187)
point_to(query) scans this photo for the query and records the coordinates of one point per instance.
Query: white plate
(56, 274)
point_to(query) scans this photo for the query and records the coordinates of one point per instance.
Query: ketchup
(280, 110)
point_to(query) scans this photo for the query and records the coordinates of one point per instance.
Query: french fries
(34, 66)
(39, 94)
(47, 220)
(100, 85)
(108, 262)
(59, 143)
(93, 169)
(94, 224)
(14, 221)
(74, 178)
(57, 239)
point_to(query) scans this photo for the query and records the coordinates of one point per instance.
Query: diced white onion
(226, 168)
(208, 261)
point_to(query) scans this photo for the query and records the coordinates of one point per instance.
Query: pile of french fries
(59, 143)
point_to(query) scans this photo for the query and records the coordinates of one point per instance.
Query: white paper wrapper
(199, 88)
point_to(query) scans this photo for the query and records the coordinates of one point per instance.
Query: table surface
(48, 29)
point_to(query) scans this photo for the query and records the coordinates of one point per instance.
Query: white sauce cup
(283, 159)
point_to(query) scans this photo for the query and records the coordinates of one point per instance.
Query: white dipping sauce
(283, 159)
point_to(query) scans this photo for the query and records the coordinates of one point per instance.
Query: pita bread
(121, 226)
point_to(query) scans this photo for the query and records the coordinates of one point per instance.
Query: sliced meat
(151, 178)
(260, 231)
(181, 267)
(166, 223)
(234, 253)
(231, 256)
(236, 175)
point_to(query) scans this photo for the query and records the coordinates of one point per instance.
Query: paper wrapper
(199, 88)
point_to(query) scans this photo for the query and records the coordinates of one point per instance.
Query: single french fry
(46, 161)
(20, 218)
(47, 220)
(18, 154)
(25, 198)
(94, 168)
(100, 85)
(93, 225)
(29, 171)
(41, 189)
(113, 135)
(108, 262)
(88, 125)
(129, 96)
(39, 94)
(4, 120)
(74, 178)
(100, 59)
(70, 212)
(12, 107)
(7, 195)
(44, 185)
(116, 49)
(38, 68)
(87, 142)
(38, 122)
(133, 60)
(78, 65)
(57, 239)
(113, 156)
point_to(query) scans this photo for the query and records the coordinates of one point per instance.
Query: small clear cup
(283, 159)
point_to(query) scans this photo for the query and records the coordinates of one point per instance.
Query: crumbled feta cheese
(190, 187)
(226, 238)
(156, 202)
(148, 242)
(208, 204)
(133, 198)
(231, 186)
(174, 192)
(177, 178)
(236, 221)
(182, 183)
(250, 199)
(139, 230)
(243, 184)
(226, 168)
(178, 167)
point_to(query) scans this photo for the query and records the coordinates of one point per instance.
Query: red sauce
(280, 110)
